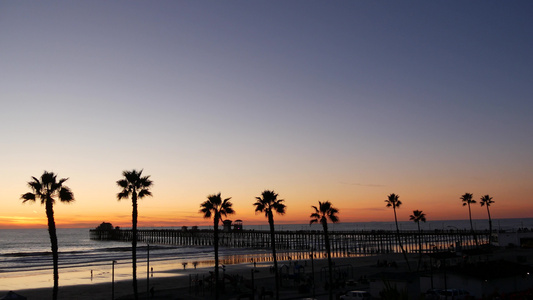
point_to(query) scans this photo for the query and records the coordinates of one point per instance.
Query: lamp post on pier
(148, 271)
(113, 280)
(253, 279)
(313, 270)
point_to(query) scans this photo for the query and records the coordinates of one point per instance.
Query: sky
(347, 102)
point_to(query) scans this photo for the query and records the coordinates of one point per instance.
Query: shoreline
(164, 266)
(176, 281)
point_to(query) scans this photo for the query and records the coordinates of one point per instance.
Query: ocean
(26, 252)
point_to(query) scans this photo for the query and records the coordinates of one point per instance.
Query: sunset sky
(346, 101)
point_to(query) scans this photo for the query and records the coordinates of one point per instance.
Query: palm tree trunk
(472, 225)
(134, 244)
(274, 256)
(215, 235)
(490, 225)
(419, 246)
(330, 263)
(53, 242)
(399, 241)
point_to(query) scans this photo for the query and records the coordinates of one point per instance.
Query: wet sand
(174, 283)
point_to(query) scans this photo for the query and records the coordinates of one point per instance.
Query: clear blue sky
(346, 101)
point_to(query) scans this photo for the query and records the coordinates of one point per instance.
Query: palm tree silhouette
(268, 204)
(487, 201)
(215, 207)
(416, 217)
(47, 190)
(324, 212)
(394, 202)
(136, 186)
(467, 200)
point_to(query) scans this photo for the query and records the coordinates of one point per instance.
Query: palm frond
(215, 199)
(227, 211)
(333, 218)
(123, 183)
(418, 216)
(467, 197)
(280, 209)
(27, 197)
(206, 209)
(216, 207)
(269, 202)
(57, 185)
(47, 189)
(393, 200)
(226, 207)
(35, 185)
(145, 182)
(144, 193)
(259, 206)
(66, 195)
(48, 178)
(132, 177)
(134, 183)
(123, 195)
(206, 212)
(323, 212)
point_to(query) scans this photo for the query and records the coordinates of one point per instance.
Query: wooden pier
(343, 243)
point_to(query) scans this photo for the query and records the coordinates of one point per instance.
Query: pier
(343, 243)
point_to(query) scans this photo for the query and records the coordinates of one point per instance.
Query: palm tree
(268, 204)
(467, 199)
(394, 202)
(416, 217)
(322, 213)
(487, 201)
(47, 190)
(136, 186)
(215, 207)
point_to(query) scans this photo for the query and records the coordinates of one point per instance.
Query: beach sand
(174, 284)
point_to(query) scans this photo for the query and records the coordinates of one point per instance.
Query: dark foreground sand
(177, 287)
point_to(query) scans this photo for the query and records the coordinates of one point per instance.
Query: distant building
(105, 226)
(522, 238)
(227, 225)
(237, 225)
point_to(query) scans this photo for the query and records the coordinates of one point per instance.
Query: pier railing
(342, 242)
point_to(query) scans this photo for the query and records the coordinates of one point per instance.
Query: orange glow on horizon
(301, 217)
(169, 210)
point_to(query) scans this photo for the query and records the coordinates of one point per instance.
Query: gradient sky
(347, 101)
